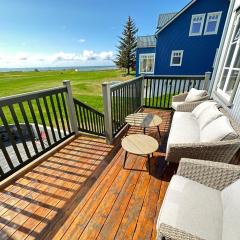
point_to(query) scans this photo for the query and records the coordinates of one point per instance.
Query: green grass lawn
(87, 86)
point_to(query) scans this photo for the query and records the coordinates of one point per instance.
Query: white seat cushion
(231, 212)
(195, 95)
(178, 134)
(193, 208)
(199, 109)
(218, 130)
(208, 115)
(176, 104)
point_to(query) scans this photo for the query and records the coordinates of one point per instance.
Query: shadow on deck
(83, 192)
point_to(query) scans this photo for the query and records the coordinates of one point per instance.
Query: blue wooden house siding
(142, 51)
(199, 51)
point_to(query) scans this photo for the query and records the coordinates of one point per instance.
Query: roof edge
(177, 15)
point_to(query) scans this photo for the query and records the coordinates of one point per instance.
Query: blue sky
(71, 32)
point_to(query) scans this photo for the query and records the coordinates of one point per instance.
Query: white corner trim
(181, 57)
(217, 25)
(139, 63)
(202, 24)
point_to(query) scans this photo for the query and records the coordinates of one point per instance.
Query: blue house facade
(184, 39)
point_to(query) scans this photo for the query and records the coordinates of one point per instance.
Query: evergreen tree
(126, 57)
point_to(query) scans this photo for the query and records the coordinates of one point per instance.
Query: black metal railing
(89, 120)
(126, 98)
(158, 90)
(31, 124)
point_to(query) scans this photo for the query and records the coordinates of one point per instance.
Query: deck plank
(78, 194)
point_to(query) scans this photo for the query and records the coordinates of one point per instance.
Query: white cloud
(81, 40)
(84, 58)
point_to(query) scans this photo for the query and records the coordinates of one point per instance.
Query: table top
(140, 144)
(143, 120)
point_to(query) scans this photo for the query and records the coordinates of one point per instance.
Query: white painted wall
(234, 109)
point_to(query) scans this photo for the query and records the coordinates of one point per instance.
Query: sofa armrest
(212, 174)
(167, 232)
(180, 98)
(222, 151)
(187, 106)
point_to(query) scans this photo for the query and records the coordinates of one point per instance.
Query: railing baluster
(43, 121)
(36, 124)
(55, 116)
(65, 112)
(6, 155)
(28, 126)
(49, 119)
(61, 115)
(10, 135)
(19, 130)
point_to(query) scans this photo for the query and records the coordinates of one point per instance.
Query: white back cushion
(195, 95)
(218, 130)
(198, 110)
(231, 211)
(208, 115)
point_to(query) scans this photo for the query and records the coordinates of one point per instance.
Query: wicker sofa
(179, 104)
(200, 203)
(183, 141)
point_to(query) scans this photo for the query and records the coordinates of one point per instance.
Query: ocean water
(80, 69)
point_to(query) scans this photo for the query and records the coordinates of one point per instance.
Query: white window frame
(202, 24)
(208, 20)
(139, 64)
(172, 56)
(222, 92)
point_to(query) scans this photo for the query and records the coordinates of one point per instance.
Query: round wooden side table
(139, 144)
(144, 120)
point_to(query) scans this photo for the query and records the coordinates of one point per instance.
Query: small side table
(139, 144)
(144, 120)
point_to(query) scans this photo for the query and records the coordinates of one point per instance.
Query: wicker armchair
(211, 174)
(179, 104)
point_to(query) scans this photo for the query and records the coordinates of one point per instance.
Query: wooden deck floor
(78, 194)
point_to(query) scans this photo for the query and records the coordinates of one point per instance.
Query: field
(87, 86)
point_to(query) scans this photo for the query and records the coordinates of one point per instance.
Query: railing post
(206, 80)
(107, 106)
(142, 91)
(71, 108)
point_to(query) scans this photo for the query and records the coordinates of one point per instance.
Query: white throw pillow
(198, 110)
(208, 115)
(231, 211)
(195, 95)
(218, 130)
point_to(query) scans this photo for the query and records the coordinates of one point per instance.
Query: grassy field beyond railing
(86, 86)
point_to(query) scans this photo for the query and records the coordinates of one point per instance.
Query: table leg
(159, 131)
(125, 158)
(148, 163)
(144, 130)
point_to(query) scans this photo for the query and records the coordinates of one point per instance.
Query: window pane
(176, 60)
(237, 32)
(237, 60)
(211, 27)
(146, 64)
(230, 55)
(196, 27)
(232, 82)
(223, 80)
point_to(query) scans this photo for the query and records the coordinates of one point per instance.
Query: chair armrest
(222, 151)
(180, 98)
(212, 174)
(167, 232)
(188, 106)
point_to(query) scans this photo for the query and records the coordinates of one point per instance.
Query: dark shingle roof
(165, 18)
(146, 41)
